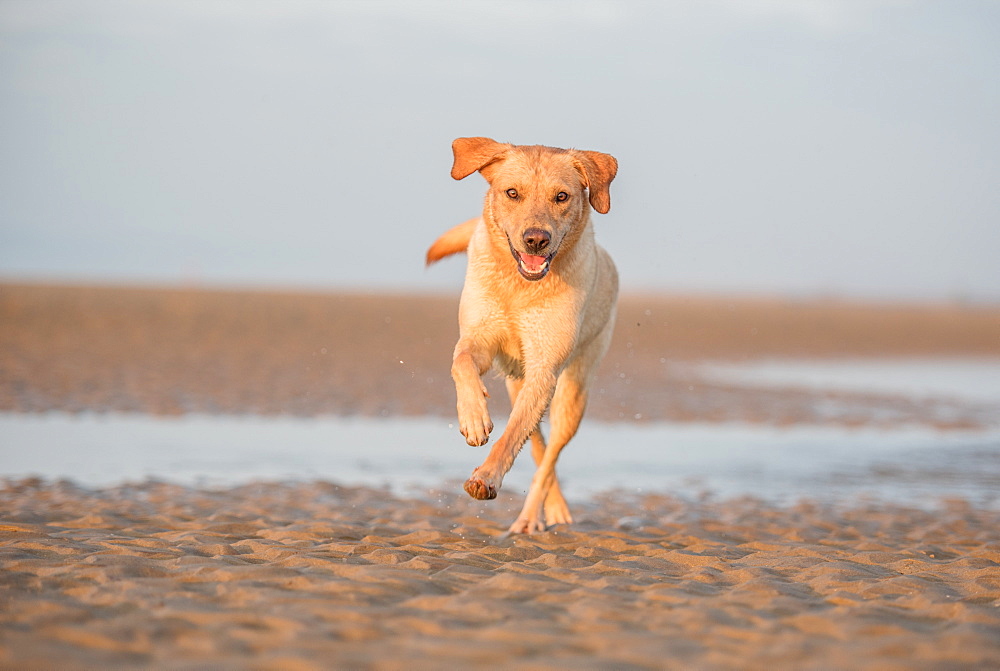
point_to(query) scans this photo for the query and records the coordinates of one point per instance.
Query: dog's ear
(597, 170)
(475, 153)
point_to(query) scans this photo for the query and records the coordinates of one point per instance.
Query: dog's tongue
(533, 264)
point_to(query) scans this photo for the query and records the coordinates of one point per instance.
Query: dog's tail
(453, 242)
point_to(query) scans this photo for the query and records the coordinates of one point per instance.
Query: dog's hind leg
(556, 510)
(565, 414)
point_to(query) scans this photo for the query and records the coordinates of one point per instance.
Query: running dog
(538, 302)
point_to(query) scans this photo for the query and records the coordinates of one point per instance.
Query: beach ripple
(316, 575)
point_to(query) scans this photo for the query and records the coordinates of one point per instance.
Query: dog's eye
(562, 196)
(512, 193)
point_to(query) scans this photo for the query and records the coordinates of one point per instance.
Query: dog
(539, 302)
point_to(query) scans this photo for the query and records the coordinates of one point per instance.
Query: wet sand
(169, 351)
(315, 575)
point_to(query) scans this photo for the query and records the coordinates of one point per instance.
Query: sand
(316, 575)
(169, 351)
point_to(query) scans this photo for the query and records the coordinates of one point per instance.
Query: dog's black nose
(536, 240)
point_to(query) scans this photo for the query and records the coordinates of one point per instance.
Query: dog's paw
(556, 510)
(526, 526)
(480, 489)
(474, 422)
(477, 436)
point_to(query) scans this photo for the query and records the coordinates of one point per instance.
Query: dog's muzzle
(531, 267)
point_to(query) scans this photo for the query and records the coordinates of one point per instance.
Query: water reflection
(913, 466)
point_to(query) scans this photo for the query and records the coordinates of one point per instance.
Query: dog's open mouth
(532, 268)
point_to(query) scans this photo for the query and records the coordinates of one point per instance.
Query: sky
(776, 147)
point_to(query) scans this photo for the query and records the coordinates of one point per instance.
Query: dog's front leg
(467, 369)
(524, 417)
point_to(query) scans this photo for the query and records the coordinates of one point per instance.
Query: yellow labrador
(539, 301)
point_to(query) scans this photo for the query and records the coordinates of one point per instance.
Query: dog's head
(538, 195)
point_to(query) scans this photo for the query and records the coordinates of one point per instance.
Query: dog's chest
(544, 339)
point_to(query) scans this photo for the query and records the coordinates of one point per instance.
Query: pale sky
(774, 147)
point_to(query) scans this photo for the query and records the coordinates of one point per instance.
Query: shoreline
(916, 466)
(175, 351)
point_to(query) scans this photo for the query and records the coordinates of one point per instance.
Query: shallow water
(965, 379)
(912, 466)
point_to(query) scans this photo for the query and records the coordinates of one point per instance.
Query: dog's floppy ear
(597, 170)
(475, 153)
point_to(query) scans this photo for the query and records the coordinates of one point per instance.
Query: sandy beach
(318, 576)
(170, 351)
(315, 574)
